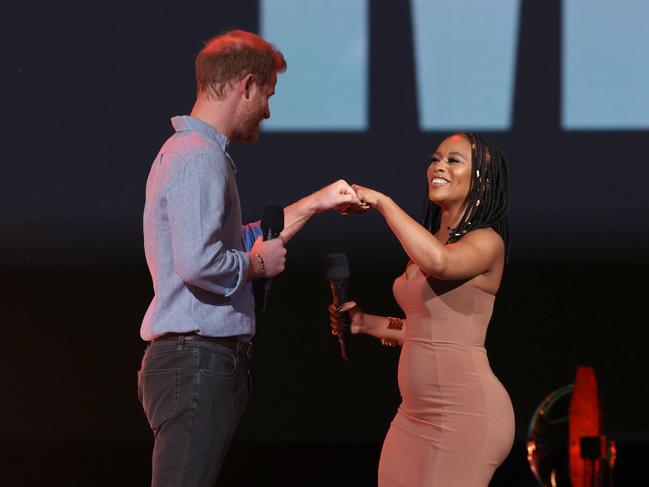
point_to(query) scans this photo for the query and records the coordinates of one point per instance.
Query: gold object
(395, 323)
(261, 263)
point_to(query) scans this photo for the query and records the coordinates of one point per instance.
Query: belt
(233, 343)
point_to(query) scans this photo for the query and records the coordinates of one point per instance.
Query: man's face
(253, 111)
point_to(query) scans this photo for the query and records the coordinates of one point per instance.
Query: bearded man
(194, 381)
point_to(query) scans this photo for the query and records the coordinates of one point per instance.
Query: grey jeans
(194, 393)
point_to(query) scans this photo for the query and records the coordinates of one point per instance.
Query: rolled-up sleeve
(249, 233)
(197, 201)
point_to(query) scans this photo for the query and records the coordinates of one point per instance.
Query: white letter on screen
(465, 53)
(326, 47)
(605, 64)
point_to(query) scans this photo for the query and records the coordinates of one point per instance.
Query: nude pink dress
(455, 424)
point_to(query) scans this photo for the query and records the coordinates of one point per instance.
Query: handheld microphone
(272, 224)
(272, 221)
(337, 271)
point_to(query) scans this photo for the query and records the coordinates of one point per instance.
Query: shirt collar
(183, 123)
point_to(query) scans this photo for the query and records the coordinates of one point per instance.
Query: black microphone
(272, 221)
(337, 270)
(272, 224)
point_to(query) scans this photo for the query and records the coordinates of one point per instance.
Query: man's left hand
(336, 195)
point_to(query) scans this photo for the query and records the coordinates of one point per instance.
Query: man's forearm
(327, 198)
(296, 215)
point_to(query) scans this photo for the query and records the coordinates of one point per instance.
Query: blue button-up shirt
(194, 240)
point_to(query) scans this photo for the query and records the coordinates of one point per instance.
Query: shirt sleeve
(249, 233)
(197, 197)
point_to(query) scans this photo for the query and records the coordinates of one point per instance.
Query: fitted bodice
(442, 311)
(455, 424)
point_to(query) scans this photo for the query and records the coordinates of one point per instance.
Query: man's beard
(251, 134)
(248, 129)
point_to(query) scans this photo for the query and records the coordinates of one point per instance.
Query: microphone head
(336, 266)
(272, 220)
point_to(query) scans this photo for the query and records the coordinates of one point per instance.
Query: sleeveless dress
(455, 424)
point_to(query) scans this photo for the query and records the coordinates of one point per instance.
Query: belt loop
(181, 343)
(245, 348)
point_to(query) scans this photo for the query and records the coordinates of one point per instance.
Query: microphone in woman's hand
(337, 271)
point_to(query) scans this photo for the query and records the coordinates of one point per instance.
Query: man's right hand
(273, 255)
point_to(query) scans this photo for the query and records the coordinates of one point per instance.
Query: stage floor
(124, 465)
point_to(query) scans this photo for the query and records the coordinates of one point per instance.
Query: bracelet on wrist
(261, 264)
(394, 323)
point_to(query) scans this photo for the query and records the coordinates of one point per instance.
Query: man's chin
(249, 137)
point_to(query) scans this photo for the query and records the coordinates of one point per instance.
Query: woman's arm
(387, 329)
(471, 256)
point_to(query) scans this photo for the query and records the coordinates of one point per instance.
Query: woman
(455, 424)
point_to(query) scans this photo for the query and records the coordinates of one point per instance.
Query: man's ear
(245, 85)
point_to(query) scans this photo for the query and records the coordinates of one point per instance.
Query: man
(194, 381)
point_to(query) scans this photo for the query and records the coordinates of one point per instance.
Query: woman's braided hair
(488, 198)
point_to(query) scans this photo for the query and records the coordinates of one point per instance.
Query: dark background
(87, 91)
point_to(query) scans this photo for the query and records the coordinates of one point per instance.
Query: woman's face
(449, 173)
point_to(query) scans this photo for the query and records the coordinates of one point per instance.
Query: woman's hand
(355, 317)
(369, 197)
(336, 195)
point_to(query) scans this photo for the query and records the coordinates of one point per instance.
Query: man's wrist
(256, 266)
(262, 264)
(307, 206)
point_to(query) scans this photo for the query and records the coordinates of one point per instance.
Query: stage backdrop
(371, 89)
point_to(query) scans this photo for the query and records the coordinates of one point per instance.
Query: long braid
(488, 198)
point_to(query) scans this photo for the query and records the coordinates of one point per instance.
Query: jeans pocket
(219, 361)
(159, 393)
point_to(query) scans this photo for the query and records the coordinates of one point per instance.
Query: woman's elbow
(435, 267)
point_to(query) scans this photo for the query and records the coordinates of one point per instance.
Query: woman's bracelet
(261, 263)
(394, 323)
